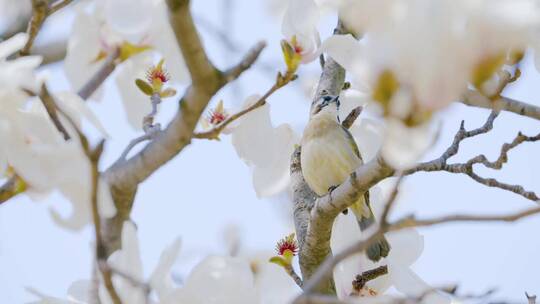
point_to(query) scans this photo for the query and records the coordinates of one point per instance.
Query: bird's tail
(364, 216)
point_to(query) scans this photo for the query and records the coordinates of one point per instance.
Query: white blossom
(300, 28)
(265, 149)
(407, 246)
(111, 24)
(128, 261)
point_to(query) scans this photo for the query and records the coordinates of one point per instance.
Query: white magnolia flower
(127, 260)
(110, 24)
(403, 145)
(32, 146)
(223, 279)
(433, 47)
(267, 150)
(407, 246)
(300, 28)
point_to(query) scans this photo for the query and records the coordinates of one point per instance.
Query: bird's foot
(378, 250)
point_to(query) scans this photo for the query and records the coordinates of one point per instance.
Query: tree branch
(441, 163)
(100, 76)
(409, 222)
(214, 132)
(476, 99)
(50, 106)
(313, 228)
(41, 10)
(200, 68)
(125, 176)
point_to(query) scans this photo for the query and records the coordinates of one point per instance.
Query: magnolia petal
(161, 280)
(301, 18)
(84, 45)
(403, 146)
(409, 283)
(368, 135)
(74, 106)
(78, 193)
(12, 45)
(136, 104)
(265, 149)
(80, 291)
(163, 39)
(344, 49)
(128, 260)
(407, 246)
(221, 280)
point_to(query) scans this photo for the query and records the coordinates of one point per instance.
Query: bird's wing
(352, 142)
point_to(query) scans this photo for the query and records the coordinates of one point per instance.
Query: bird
(329, 154)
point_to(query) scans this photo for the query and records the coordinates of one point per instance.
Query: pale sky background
(208, 188)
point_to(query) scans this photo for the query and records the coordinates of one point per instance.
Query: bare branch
(290, 271)
(40, 11)
(200, 68)
(125, 176)
(351, 118)
(409, 222)
(248, 60)
(362, 279)
(50, 106)
(467, 168)
(58, 5)
(214, 133)
(101, 75)
(476, 99)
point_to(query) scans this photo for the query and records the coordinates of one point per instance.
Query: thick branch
(125, 176)
(200, 68)
(476, 99)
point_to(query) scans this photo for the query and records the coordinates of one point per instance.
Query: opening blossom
(141, 29)
(300, 30)
(34, 149)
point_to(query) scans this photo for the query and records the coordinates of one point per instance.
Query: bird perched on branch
(329, 155)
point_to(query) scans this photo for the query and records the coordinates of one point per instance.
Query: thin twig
(351, 118)
(50, 106)
(41, 10)
(100, 76)
(362, 279)
(132, 145)
(214, 132)
(467, 168)
(290, 271)
(58, 5)
(94, 156)
(408, 222)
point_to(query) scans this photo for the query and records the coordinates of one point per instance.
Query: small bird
(329, 155)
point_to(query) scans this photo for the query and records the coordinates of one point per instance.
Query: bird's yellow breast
(327, 156)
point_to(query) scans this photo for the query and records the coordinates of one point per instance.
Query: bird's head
(326, 104)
